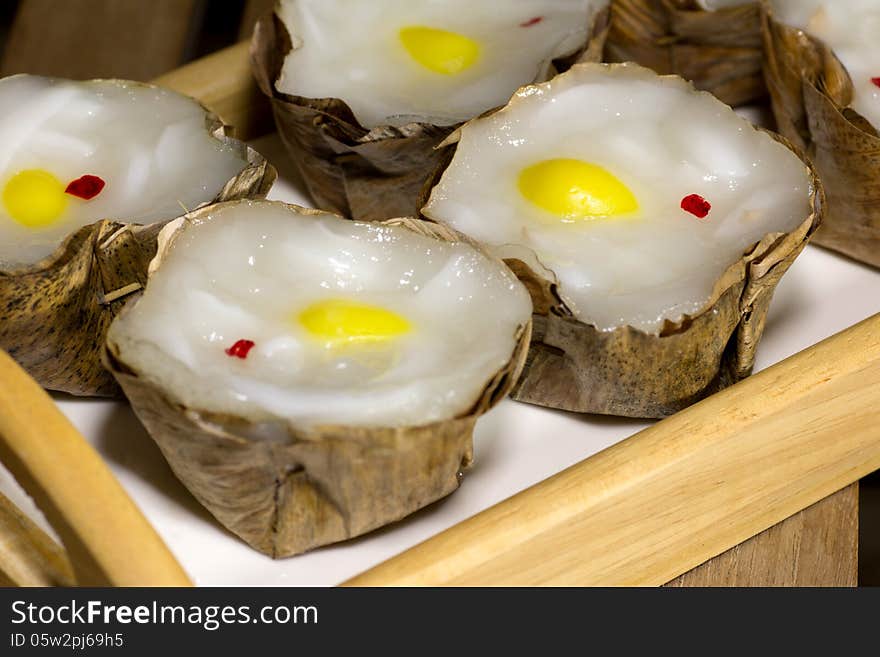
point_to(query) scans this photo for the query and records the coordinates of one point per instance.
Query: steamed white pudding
(77, 152)
(436, 61)
(265, 312)
(633, 190)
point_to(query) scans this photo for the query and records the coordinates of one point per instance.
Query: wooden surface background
(131, 39)
(142, 40)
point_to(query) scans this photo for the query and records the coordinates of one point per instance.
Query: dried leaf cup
(720, 50)
(572, 366)
(55, 312)
(287, 483)
(811, 93)
(593, 350)
(360, 173)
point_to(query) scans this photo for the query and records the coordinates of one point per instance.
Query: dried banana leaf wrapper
(810, 92)
(361, 174)
(720, 51)
(573, 366)
(308, 487)
(54, 314)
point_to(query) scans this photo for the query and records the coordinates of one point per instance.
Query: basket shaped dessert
(310, 378)
(90, 173)
(650, 223)
(714, 43)
(363, 92)
(823, 72)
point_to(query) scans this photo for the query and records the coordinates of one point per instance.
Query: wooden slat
(107, 539)
(129, 39)
(223, 82)
(681, 492)
(29, 556)
(816, 547)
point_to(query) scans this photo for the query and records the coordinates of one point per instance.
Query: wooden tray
(619, 501)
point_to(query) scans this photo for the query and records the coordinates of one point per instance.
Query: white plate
(516, 444)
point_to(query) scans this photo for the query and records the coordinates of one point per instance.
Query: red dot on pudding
(532, 21)
(876, 81)
(696, 205)
(85, 187)
(240, 349)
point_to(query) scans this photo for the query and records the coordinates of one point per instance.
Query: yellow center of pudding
(340, 322)
(34, 198)
(574, 189)
(440, 51)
